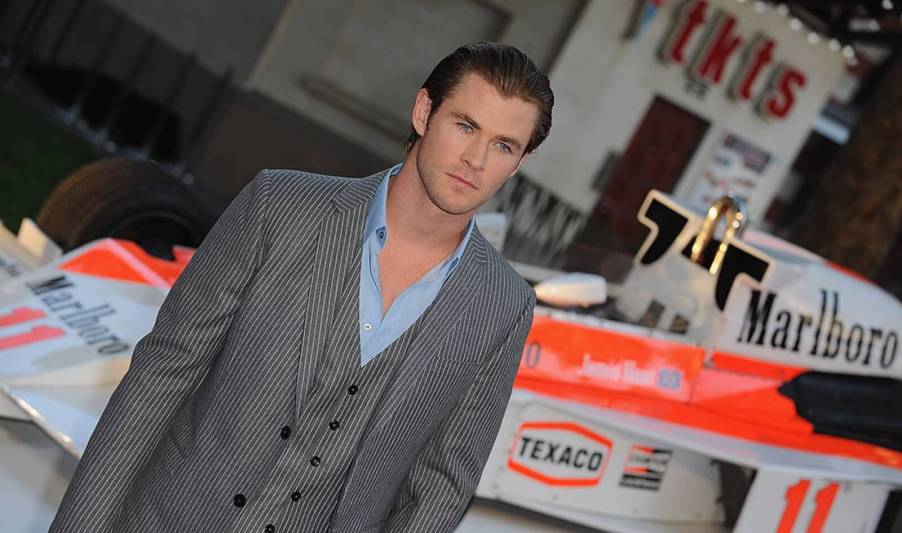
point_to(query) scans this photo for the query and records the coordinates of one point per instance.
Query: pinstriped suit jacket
(206, 388)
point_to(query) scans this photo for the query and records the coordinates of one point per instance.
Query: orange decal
(584, 356)
(37, 334)
(20, 315)
(795, 495)
(126, 261)
(757, 367)
(731, 395)
(823, 501)
(548, 453)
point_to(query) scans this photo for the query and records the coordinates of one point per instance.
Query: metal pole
(164, 113)
(30, 36)
(125, 90)
(68, 26)
(74, 112)
(204, 119)
(11, 57)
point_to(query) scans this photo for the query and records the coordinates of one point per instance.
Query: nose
(475, 155)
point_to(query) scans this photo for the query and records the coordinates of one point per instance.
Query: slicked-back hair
(504, 67)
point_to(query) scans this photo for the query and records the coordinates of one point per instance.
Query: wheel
(126, 199)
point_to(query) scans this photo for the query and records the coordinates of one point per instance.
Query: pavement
(34, 473)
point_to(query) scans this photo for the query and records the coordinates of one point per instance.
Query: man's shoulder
(292, 201)
(294, 185)
(508, 285)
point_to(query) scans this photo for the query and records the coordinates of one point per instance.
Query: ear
(421, 108)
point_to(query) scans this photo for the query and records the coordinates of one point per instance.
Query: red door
(655, 158)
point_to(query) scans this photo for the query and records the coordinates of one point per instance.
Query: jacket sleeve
(444, 476)
(167, 364)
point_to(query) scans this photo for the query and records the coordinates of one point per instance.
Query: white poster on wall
(737, 167)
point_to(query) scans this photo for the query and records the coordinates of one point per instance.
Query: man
(338, 354)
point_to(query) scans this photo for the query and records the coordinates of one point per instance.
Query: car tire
(126, 199)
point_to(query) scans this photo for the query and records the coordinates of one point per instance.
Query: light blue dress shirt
(377, 332)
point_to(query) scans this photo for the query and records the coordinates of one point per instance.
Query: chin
(445, 197)
(453, 209)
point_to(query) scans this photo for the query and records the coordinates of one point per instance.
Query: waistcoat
(307, 479)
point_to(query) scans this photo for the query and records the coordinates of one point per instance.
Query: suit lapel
(336, 254)
(442, 316)
(449, 306)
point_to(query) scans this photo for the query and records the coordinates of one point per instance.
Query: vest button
(314, 460)
(285, 433)
(239, 500)
(333, 425)
(295, 496)
(352, 389)
(270, 528)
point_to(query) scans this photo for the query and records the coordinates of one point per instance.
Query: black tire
(126, 199)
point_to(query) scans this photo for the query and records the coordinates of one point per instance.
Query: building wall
(604, 83)
(224, 34)
(351, 69)
(328, 86)
(354, 67)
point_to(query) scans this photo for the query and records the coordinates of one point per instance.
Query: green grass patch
(36, 153)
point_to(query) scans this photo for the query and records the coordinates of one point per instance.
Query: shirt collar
(376, 222)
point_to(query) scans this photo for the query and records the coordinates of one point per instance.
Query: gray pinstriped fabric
(260, 332)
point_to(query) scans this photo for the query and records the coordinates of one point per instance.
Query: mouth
(460, 179)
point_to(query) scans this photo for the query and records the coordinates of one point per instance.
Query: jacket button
(333, 425)
(314, 460)
(352, 389)
(270, 528)
(295, 496)
(239, 500)
(285, 433)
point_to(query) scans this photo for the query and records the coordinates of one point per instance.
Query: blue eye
(464, 127)
(504, 148)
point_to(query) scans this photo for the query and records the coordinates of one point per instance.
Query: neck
(413, 218)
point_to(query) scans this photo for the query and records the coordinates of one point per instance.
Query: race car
(735, 384)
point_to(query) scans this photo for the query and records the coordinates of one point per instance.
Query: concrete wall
(354, 67)
(604, 83)
(223, 33)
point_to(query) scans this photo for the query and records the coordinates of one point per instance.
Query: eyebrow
(505, 138)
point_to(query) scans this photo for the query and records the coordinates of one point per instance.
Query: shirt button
(367, 326)
(285, 433)
(381, 234)
(333, 425)
(295, 496)
(352, 390)
(239, 500)
(314, 460)
(270, 528)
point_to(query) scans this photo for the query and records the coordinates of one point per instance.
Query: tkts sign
(708, 62)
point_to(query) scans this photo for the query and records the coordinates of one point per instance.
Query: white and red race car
(741, 384)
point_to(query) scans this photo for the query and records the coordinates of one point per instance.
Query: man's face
(471, 145)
